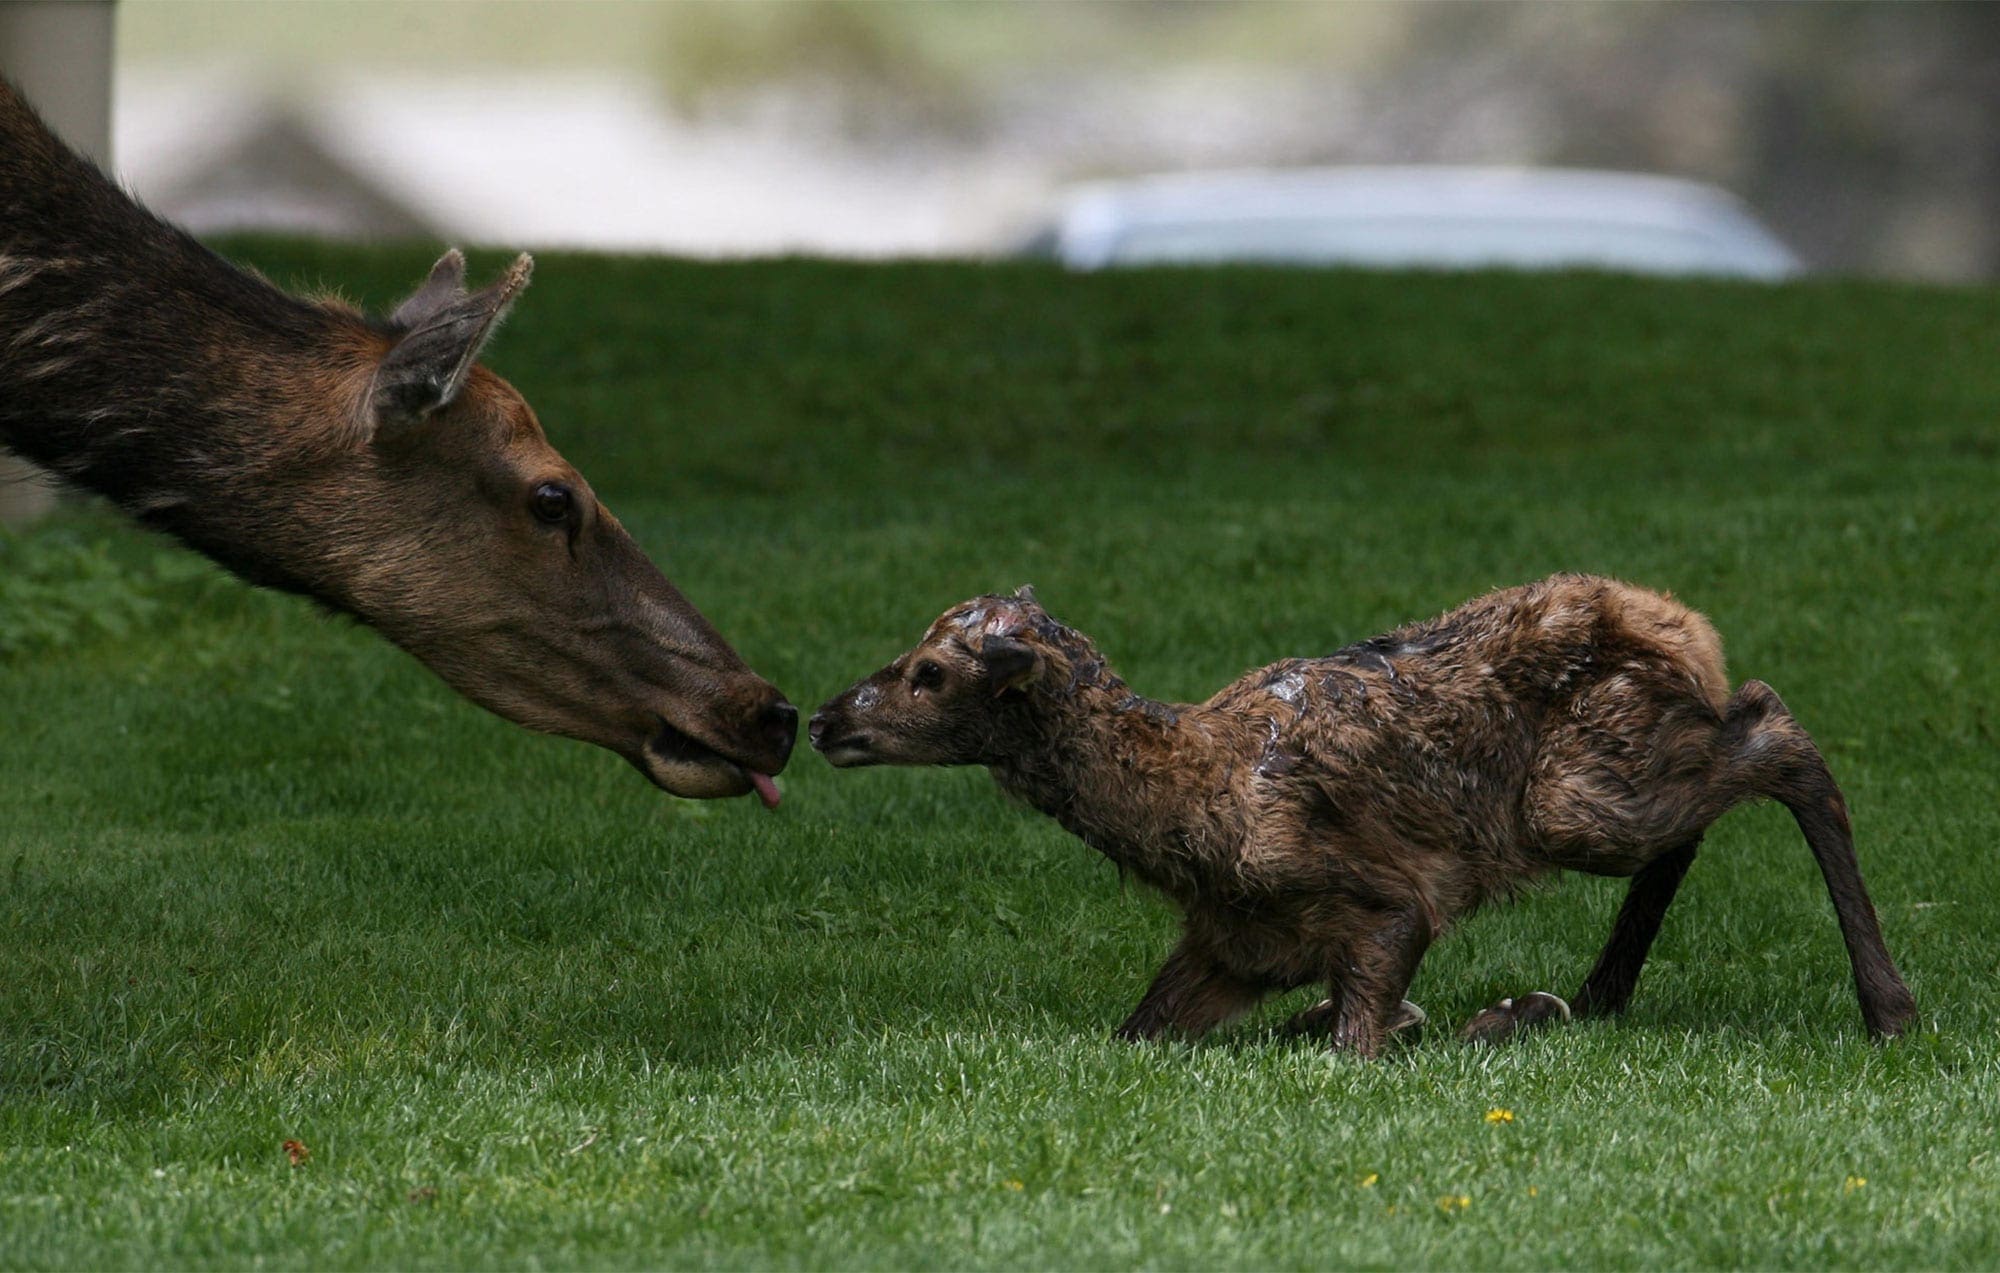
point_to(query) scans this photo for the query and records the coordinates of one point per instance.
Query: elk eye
(928, 676)
(551, 503)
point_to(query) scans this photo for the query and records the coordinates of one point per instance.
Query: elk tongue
(767, 791)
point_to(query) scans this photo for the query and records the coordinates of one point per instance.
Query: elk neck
(1141, 781)
(137, 364)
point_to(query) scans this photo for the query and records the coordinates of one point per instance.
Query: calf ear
(1010, 664)
(446, 329)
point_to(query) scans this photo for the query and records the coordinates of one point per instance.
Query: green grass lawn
(262, 879)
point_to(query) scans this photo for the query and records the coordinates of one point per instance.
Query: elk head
(466, 539)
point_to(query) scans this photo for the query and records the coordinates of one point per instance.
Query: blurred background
(1866, 136)
(1770, 139)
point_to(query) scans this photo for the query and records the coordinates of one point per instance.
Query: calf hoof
(1890, 1015)
(1317, 1019)
(1407, 1021)
(1509, 1017)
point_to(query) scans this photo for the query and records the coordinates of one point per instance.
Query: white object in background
(1423, 217)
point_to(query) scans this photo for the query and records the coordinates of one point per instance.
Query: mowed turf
(262, 879)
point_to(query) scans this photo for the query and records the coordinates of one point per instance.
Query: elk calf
(1321, 821)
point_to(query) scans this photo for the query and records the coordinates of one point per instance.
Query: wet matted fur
(1321, 821)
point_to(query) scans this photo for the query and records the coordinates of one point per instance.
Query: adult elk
(371, 464)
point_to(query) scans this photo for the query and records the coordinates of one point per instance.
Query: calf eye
(928, 676)
(551, 503)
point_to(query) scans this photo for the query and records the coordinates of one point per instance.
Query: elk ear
(445, 285)
(1010, 664)
(447, 327)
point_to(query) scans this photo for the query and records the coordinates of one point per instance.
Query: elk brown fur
(1321, 821)
(371, 464)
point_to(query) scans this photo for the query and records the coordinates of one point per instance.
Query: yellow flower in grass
(1454, 1202)
(1498, 1115)
(1368, 1181)
(1853, 1183)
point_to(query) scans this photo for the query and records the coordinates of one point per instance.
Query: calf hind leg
(1509, 1017)
(1781, 762)
(1612, 979)
(1760, 751)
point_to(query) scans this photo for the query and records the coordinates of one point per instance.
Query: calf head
(958, 697)
(465, 538)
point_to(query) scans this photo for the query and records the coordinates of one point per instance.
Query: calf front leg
(1191, 995)
(1370, 984)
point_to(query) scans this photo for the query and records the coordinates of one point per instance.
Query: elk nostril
(780, 723)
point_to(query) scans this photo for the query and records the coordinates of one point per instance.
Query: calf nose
(780, 726)
(817, 729)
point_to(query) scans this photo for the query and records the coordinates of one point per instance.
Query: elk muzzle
(760, 741)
